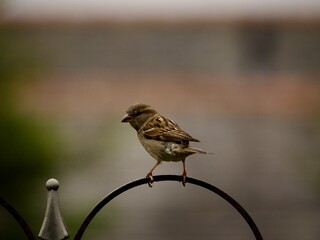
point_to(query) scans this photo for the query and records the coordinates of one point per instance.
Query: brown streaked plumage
(162, 138)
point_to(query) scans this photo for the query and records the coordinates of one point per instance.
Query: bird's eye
(137, 113)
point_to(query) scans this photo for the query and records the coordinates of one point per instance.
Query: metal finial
(52, 184)
(53, 227)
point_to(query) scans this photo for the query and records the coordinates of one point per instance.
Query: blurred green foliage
(27, 152)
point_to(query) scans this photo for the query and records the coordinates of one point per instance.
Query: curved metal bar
(161, 178)
(23, 224)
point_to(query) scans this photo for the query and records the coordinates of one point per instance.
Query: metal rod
(23, 224)
(161, 178)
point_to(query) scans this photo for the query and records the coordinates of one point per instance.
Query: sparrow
(161, 137)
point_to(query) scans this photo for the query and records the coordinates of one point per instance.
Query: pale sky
(163, 9)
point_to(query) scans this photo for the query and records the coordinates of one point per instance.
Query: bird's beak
(126, 118)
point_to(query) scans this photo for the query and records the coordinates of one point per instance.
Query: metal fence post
(53, 227)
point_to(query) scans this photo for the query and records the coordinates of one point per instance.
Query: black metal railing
(53, 227)
(20, 220)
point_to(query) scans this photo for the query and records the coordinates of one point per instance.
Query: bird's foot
(149, 175)
(184, 179)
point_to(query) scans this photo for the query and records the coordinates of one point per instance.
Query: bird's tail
(198, 150)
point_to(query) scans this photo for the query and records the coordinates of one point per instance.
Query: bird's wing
(161, 128)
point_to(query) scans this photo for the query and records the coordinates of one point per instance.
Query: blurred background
(241, 76)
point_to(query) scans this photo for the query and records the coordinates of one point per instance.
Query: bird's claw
(149, 175)
(184, 179)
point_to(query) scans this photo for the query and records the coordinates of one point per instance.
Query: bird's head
(138, 114)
